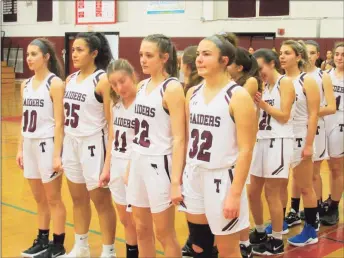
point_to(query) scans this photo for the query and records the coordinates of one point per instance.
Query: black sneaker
(322, 211)
(272, 246)
(246, 251)
(40, 245)
(330, 218)
(292, 218)
(53, 251)
(257, 238)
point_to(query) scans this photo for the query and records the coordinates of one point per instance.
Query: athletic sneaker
(330, 218)
(285, 230)
(292, 218)
(112, 255)
(53, 251)
(79, 252)
(257, 238)
(40, 245)
(272, 246)
(246, 251)
(308, 236)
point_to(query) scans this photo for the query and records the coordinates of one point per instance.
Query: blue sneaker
(285, 230)
(308, 236)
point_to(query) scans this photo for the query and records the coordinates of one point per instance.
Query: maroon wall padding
(241, 8)
(44, 10)
(129, 47)
(273, 8)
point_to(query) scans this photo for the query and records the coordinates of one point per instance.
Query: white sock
(277, 235)
(245, 243)
(108, 249)
(260, 228)
(81, 240)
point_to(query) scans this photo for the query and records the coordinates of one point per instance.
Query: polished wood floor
(19, 217)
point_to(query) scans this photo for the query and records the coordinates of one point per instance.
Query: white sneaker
(104, 255)
(79, 252)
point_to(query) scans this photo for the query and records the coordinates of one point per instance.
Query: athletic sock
(311, 216)
(81, 240)
(295, 204)
(260, 228)
(108, 249)
(132, 251)
(334, 205)
(43, 233)
(277, 235)
(245, 243)
(59, 239)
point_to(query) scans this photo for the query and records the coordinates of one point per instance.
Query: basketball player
(40, 145)
(87, 113)
(244, 71)
(272, 153)
(122, 78)
(328, 63)
(334, 129)
(327, 107)
(294, 60)
(188, 68)
(158, 152)
(215, 175)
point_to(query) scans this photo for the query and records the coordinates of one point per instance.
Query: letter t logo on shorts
(91, 148)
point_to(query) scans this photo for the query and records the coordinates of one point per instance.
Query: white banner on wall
(95, 12)
(165, 7)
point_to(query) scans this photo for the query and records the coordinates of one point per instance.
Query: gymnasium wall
(307, 19)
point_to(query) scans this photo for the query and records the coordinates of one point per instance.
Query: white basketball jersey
(338, 88)
(38, 111)
(317, 75)
(84, 113)
(153, 134)
(123, 127)
(301, 109)
(268, 126)
(212, 132)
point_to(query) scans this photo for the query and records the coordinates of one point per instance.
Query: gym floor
(19, 213)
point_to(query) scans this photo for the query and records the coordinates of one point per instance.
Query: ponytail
(250, 67)
(98, 41)
(300, 49)
(189, 59)
(47, 47)
(165, 45)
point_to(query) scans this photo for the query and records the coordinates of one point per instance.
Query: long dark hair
(47, 47)
(268, 56)
(189, 58)
(98, 41)
(165, 45)
(250, 67)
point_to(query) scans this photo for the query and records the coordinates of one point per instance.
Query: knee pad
(201, 236)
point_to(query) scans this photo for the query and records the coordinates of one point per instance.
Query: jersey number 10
(30, 121)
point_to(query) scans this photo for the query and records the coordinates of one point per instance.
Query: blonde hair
(337, 45)
(300, 49)
(120, 65)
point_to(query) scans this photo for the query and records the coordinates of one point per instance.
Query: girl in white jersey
(159, 146)
(87, 115)
(122, 78)
(219, 152)
(272, 153)
(294, 59)
(245, 71)
(40, 145)
(327, 107)
(335, 133)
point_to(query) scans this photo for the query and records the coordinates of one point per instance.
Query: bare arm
(330, 108)
(287, 92)
(313, 103)
(175, 102)
(251, 86)
(103, 89)
(187, 118)
(57, 91)
(242, 108)
(109, 143)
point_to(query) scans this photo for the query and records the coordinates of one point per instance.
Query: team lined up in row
(165, 148)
